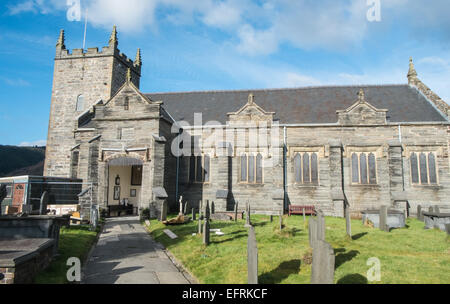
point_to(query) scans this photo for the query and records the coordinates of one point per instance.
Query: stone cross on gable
(251, 99)
(361, 96)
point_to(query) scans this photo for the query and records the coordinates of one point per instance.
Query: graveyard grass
(411, 255)
(75, 241)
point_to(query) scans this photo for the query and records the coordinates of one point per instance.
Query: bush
(145, 214)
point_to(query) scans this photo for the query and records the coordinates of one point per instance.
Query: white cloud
(39, 143)
(16, 82)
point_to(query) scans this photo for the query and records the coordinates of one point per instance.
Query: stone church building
(335, 146)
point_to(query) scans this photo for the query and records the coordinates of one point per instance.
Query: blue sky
(221, 45)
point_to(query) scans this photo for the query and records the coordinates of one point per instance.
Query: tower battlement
(62, 53)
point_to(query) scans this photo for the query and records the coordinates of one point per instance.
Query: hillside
(16, 161)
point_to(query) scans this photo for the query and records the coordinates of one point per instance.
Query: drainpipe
(178, 167)
(401, 156)
(284, 168)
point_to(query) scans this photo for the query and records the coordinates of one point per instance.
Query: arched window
(251, 168)
(414, 168)
(432, 168)
(259, 169)
(306, 172)
(244, 168)
(423, 168)
(199, 169)
(314, 169)
(80, 103)
(372, 169)
(355, 168)
(363, 168)
(298, 168)
(74, 164)
(206, 168)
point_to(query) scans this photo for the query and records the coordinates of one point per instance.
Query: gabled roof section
(362, 112)
(251, 112)
(309, 105)
(128, 84)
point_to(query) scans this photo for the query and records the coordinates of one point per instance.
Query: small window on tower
(80, 103)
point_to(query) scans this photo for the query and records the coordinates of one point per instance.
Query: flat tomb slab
(436, 220)
(395, 218)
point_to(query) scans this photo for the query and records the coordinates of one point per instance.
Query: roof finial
(251, 98)
(412, 74)
(138, 60)
(361, 96)
(113, 39)
(61, 41)
(129, 75)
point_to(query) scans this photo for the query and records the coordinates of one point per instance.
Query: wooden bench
(309, 210)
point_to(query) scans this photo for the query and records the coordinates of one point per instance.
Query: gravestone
(206, 226)
(181, 205)
(213, 208)
(200, 218)
(248, 222)
(94, 218)
(235, 211)
(431, 210)
(194, 214)
(252, 257)
(447, 228)
(207, 211)
(320, 225)
(304, 215)
(312, 231)
(186, 205)
(164, 208)
(271, 218)
(383, 218)
(323, 263)
(43, 204)
(419, 213)
(437, 209)
(348, 223)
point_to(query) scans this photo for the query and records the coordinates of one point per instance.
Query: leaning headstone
(235, 211)
(348, 223)
(164, 208)
(312, 231)
(186, 206)
(206, 232)
(419, 213)
(248, 222)
(383, 218)
(252, 257)
(44, 203)
(323, 263)
(170, 234)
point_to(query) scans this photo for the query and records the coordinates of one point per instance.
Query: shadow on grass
(359, 235)
(345, 257)
(239, 236)
(355, 278)
(283, 271)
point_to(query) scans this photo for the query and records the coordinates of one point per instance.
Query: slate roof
(310, 105)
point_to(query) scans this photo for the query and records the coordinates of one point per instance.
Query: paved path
(126, 254)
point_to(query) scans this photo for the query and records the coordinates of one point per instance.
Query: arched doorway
(124, 184)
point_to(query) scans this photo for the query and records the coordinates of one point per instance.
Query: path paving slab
(126, 254)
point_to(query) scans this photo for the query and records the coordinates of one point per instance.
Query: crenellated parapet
(62, 53)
